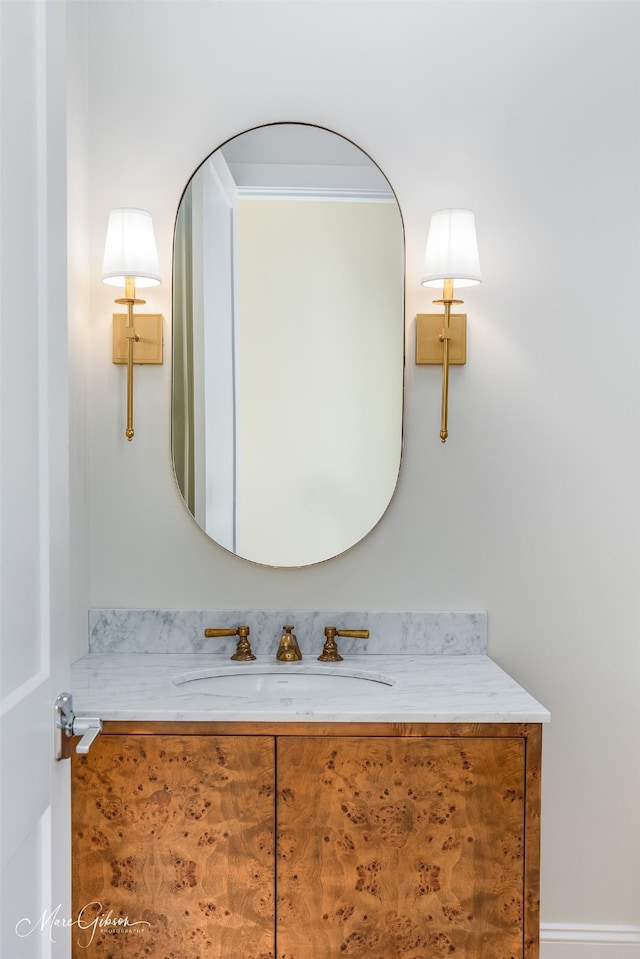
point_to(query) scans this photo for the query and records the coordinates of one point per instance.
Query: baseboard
(587, 941)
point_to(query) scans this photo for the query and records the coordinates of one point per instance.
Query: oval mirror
(288, 344)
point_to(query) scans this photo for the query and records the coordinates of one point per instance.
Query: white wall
(528, 114)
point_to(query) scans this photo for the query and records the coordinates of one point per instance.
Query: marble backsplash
(182, 631)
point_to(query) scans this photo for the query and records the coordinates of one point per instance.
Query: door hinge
(68, 723)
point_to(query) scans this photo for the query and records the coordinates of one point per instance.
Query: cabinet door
(405, 848)
(173, 842)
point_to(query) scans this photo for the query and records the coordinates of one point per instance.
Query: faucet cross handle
(243, 653)
(330, 652)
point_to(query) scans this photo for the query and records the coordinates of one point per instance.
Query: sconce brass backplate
(429, 327)
(148, 347)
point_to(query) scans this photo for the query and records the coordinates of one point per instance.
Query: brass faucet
(330, 652)
(288, 650)
(243, 653)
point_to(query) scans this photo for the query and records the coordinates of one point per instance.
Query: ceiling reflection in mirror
(288, 345)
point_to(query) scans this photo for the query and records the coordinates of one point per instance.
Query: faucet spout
(288, 650)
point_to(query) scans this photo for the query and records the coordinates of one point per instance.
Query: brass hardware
(243, 653)
(129, 300)
(147, 347)
(451, 255)
(330, 652)
(131, 345)
(446, 337)
(130, 257)
(429, 342)
(288, 650)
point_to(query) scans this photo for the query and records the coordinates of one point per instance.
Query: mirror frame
(403, 333)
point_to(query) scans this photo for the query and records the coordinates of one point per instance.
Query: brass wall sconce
(130, 258)
(451, 257)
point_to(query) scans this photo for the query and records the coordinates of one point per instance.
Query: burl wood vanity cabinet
(307, 841)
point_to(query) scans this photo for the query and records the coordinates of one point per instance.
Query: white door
(34, 478)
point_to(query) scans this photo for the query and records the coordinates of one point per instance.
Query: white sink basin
(281, 681)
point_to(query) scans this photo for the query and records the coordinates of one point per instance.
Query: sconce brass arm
(447, 301)
(129, 300)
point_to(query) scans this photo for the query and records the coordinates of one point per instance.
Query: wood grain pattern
(175, 833)
(400, 848)
(400, 841)
(251, 728)
(532, 843)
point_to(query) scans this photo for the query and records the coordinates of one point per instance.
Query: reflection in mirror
(288, 344)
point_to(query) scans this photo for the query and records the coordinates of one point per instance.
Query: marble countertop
(433, 688)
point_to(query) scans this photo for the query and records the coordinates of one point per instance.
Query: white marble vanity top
(431, 688)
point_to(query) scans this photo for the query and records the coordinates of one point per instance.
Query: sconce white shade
(130, 249)
(452, 249)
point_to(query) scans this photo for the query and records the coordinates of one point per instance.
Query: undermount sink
(278, 681)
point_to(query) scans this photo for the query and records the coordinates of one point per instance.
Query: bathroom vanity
(397, 818)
